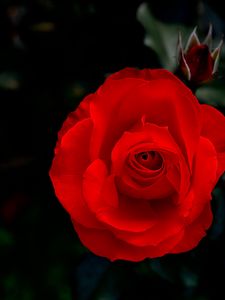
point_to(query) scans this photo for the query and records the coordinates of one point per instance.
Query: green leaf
(213, 95)
(15, 288)
(161, 37)
(6, 238)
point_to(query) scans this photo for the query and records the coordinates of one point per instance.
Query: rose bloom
(200, 63)
(197, 63)
(135, 165)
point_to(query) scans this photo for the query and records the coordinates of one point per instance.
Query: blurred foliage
(213, 94)
(53, 53)
(161, 37)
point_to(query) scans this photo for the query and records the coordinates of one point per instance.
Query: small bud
(197, 63)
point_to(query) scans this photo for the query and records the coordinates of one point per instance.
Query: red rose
(136, 163)
(200, 63)
(197, 62)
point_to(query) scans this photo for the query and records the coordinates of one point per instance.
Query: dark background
(53, 53)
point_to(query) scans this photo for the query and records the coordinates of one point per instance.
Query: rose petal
(195, 231)
(67, 169)
(130, 215)
(161, 189)
(119, 98)
(99, 189)
(166, 225)
(80, 113)
(203, 180)
(93, 180)
(213, 128)
(221, 164)
(131, 73)
(103, 243)
(146, 74)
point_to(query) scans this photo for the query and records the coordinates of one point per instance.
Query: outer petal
(221, 164)
(68, 166)
(213, 128)
(195, 231)
(145, 74)
(103, 243)
(80, 113)
(166, 224)
(203, 181)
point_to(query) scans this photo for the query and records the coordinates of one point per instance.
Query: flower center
(149, 159)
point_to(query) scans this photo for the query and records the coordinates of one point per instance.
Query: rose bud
(197, 63)
(135, 165)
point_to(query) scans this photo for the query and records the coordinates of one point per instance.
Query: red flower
(197, 63)
(135, 165)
